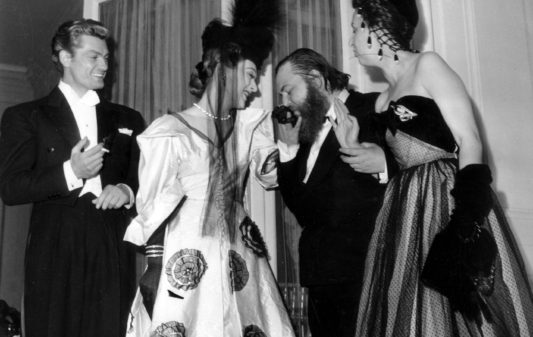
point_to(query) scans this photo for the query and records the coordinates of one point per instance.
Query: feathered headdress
(251, 34)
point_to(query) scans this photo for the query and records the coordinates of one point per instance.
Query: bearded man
(335, 202)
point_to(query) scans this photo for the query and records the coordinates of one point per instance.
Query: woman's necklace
(210, 115)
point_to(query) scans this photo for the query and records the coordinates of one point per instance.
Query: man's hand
(88, 163)
(112, 196)
(366, 158)
(289, 134)
(346, 127)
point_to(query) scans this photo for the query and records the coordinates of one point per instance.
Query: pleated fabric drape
(157, 43)
(312, 24)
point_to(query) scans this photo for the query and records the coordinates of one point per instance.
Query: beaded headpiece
(393, 22)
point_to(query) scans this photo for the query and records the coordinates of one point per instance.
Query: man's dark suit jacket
(36, 138)
(336, 207)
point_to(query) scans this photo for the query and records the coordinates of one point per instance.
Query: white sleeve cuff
(132, 196)
(384, 176)
(287, 152)
(72, 181)
(134, 233)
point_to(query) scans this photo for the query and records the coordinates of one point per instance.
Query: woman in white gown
(208, 272)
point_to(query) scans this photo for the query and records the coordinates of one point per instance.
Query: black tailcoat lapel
(58, 110)
(106, 120)
(325, 160)
(301, 159)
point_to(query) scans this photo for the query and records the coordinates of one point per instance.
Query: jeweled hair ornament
(393, 22)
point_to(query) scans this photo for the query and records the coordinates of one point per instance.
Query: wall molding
(14, 85)
(91, 9)
(12, 68)
(525, 213)
(472, 52)
(528, 13)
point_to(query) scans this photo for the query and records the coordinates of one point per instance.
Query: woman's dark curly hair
(203, 71)
(250, 36)
(394, 21)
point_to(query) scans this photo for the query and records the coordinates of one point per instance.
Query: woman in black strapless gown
(442, 260)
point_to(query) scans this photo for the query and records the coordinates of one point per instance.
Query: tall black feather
(251, 34)
(408, 9)
(256, 13)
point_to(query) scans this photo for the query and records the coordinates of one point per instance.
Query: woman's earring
(380, 54)
(369, 42)
(396, 58)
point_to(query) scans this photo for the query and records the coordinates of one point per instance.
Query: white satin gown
(209, 286)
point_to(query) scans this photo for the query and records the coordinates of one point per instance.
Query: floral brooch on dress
(403, 113)
(185, 269)
(253, 331)
(239, 274)
(174, 329)
(252, 238)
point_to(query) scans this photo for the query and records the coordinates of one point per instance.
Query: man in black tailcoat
(74, 156)
(335, 203)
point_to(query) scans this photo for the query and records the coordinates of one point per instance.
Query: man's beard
(313, 111)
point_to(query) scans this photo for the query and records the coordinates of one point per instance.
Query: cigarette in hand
(105, 150)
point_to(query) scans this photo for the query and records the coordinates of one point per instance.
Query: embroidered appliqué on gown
(170, 329)
(185, 269)
(238, 271)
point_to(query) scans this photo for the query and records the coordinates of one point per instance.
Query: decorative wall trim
(346, 12)
(435, 26)
(527, 11)
(12, 68)
(523, 213)
(473, 62)
(425, 8)
(91, 9)
(14, 85)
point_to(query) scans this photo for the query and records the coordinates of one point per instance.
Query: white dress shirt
(84, 112)
(288, 152)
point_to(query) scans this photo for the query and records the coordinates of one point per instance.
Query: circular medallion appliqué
(252, 238)
(185, 269)
(238, 272)
(253, 331)
(169, 329)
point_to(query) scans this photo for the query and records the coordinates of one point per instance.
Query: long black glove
(460, 262)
